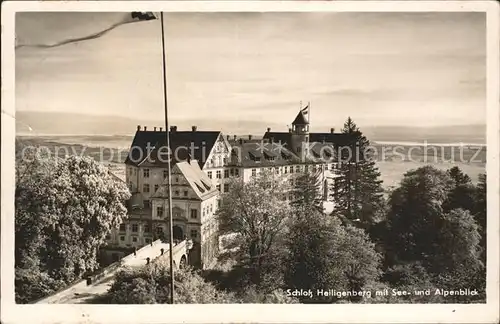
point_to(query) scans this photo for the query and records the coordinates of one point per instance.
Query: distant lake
(404, 143)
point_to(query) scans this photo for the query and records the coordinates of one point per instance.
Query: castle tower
(300, 132)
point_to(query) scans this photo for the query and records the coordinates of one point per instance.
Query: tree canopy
(64, 210)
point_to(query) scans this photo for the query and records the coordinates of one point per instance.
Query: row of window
(159, 230)
(296, 169)
(225, 187)
(193, 213)
(227, 173)
(233, 172)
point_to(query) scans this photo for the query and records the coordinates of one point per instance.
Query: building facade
(203, 164)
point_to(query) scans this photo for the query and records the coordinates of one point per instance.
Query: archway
(178, 234)
(182, 263)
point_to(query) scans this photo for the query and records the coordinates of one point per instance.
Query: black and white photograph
(252, 157)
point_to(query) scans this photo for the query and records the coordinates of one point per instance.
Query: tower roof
(300, 119)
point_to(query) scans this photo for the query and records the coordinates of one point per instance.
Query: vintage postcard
(250, 161)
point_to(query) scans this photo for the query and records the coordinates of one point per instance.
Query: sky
(414, 69)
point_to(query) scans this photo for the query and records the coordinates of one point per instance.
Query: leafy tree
(64, 210)
(322, 253)
(151, 285)
(257, 211)
(463, 192)
(415, 212)
(479, 212)
(420, 230)
(307, 192)
(358, 192)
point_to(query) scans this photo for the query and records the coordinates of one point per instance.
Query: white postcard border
(373, 313)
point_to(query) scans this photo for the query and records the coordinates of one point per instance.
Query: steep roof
(259, 154)
(197, 179)
(300, 119)
(279, 137)
(337, 139)
(181, 143)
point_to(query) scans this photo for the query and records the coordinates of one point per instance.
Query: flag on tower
(305, 110)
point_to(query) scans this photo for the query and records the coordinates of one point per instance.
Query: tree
(307, 192)
(414, 215)
(322, 253)
(151, 285)
(358, 192)
(64, 210)
(257, 211)
(479, 212)
(463, 192)
(457, 262)
(446, 244)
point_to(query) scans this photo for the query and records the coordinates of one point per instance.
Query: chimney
(154, 128)
(193, 128)
(145, 128)
(173, 129)
(241, 140)
(332, 130)
(227, 137)
(138, 127)
(234, 137)
(269, 129)
(161, 129)
(249, 137)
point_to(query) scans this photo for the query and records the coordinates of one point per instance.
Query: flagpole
(169, 171)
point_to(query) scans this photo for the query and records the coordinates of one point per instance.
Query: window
(226, 187)
(135, 228)
(145, 187)
(218, 203)
(277, 170)
(285, 170)
(145, 173)
(165, 174)
(226, 173)
(297, 168)
(185, 193)
(122, 228)
(122, 238)
(176, 192)
(176, 179)
(218, 174)
(147, 241)
(218, 187)
(211, 208)
(146, 203)
(130, 171)
(194, 213)
(156, 188)
(291, 169)
(159, 211)
(209, 173)
(194, 233)
(237, 172)
(159, 230)
(306, 168)
(254, 172)
(298, 149)
(146, 228)
(134, 238)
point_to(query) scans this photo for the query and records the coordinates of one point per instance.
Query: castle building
(203, 162)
